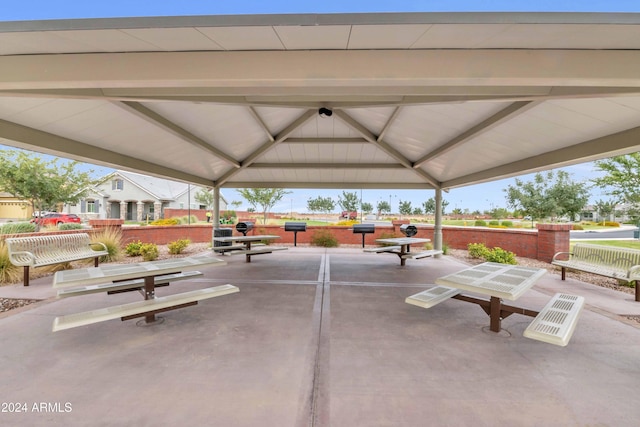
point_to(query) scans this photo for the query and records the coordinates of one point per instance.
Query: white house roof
(418, 100)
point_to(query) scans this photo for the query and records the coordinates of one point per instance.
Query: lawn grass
(631, 244)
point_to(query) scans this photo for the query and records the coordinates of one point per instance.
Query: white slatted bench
(433, 296)
(423, 254)
(227, 250)
(127, 285)
(141, 308)
(618, 263)
(38, 251)
(383, 249)
(557, 321)
(263, 250)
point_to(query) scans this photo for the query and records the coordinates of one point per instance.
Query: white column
(437, 232)
(216, 207)
(123, 210)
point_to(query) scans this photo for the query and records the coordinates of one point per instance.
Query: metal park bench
(618, 263)
(38, 251)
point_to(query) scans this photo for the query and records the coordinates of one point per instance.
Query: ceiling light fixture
(325, 112)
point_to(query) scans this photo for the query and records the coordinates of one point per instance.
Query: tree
(204, 197)
(367, 208)
(405, 208)
(321, 204)
(605, 208)
(571, 196)
(417, 211)
(349, 201)
(429, 206)
(548, 195)
(383, 207)
(533, 197)
(622, 179)
(266, 198)
(45, 184)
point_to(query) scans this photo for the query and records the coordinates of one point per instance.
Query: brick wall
(540, 244)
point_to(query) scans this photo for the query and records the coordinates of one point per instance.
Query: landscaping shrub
(70, 226)
(477, 250)
(502, 256)
(193, 219)
(324, 238)
(149, 251)
(133, 248)
(577, 227)
(166, 221)
(17, 228)
(112, 239)
(480, 223)
(507, 223)
(9, 273)
(611, 224)
(494, 222)
(497, 254)
(178, 246)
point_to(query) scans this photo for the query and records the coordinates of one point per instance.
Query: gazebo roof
(416, 100)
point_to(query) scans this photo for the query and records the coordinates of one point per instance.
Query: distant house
(13, 208)
(136, 197)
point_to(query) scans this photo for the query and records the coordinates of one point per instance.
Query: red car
(55, 219)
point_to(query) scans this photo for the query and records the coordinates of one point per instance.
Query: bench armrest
(104, 247)
(561, 253)
(634, 271)
(22, 258)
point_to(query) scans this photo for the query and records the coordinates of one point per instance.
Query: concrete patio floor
(319, 337)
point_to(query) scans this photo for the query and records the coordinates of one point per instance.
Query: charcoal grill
(364, 229)
(295, 227)
(408, 230)
(244, 227)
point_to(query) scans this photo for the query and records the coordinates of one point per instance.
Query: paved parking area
(319, 337)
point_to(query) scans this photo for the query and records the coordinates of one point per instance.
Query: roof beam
(356, 126)
(620, 143)
(268, 146)
(374, 185)
(500, 117)
(156, 119)
(326, 166)
(32, 139)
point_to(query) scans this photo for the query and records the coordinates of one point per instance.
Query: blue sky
(481, 197)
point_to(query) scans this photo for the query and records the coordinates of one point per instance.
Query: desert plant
(502, 256)
(133, 248)
(577, 227)
(112, 239)
(17, 228)
(324, 238)
(477, 250)
(149, 251)
(178, 246)
(9, 273)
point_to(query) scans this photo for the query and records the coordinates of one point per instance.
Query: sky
(478, 197)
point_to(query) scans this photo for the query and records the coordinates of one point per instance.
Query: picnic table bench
(38, 251)
(554, 324)
(401, 246)
(618, 263)
(144, 276)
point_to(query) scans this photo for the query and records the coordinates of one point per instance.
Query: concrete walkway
(319, 337)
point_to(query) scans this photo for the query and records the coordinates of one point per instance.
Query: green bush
(477, 250)
(112, 239)
(70, 226)
(178, 246)
(133, 248)
(17, 228)
(324, 238)
(494, 222)
(502, 256)
(149, 251)
(193, 219)
(480, 223)
(507, 223)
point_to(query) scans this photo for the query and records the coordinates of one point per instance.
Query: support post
(437, 231)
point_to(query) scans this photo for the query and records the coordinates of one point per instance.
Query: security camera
(325, 112)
